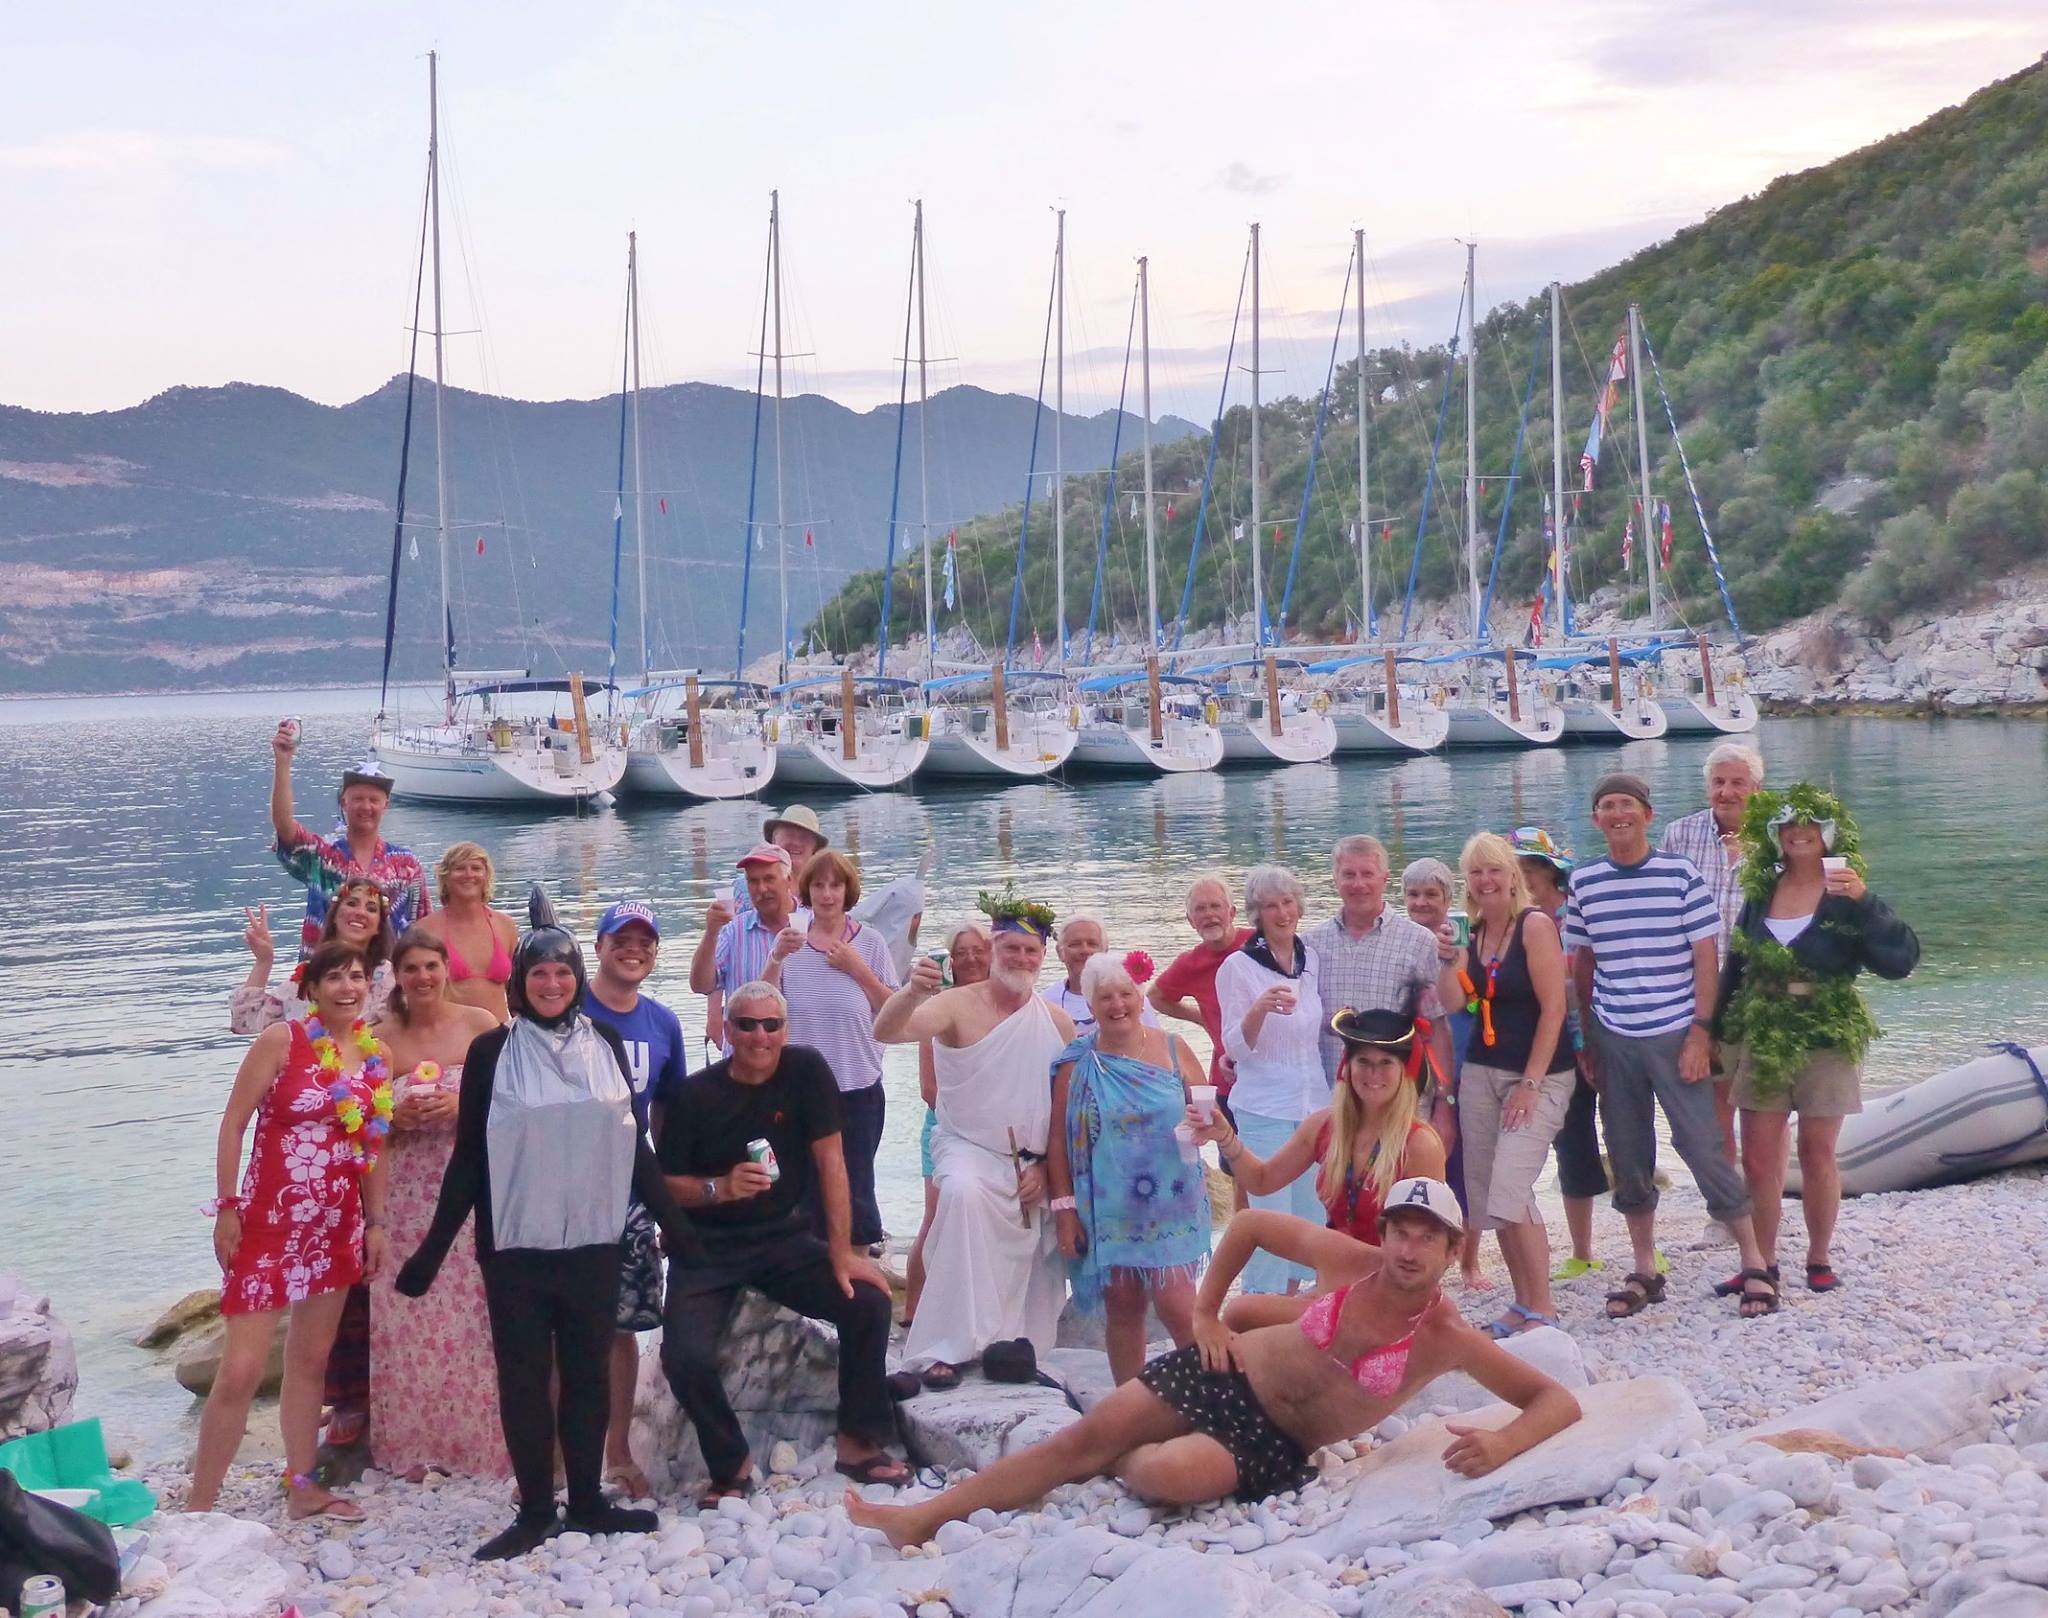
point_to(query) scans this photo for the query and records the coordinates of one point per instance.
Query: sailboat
(1141, 720)
(1708, 706)
(489, 746)
(692, 738)
(831, 729)
(1367, 719)
(979, 727)
(1262, 721)
(1513, 710)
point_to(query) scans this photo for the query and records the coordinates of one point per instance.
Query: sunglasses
(757, 1025)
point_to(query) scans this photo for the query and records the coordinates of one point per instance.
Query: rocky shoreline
(1878, 1450)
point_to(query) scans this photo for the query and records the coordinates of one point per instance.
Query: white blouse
(1281, 1076)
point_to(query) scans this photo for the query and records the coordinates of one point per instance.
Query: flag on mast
(1664, 517)
(1628, 541)
(951, 546)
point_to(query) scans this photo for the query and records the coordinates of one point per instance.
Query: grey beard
(1014, 979)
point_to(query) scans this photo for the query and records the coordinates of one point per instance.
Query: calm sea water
(133, 831)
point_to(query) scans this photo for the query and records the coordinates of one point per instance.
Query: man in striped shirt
(735, 948)
(1645, 935)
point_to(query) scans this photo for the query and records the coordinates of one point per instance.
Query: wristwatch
(710, 1191)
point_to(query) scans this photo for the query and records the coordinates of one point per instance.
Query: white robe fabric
(988, 1276)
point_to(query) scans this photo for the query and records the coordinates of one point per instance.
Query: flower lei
(1780, 1029)
(362, 1134)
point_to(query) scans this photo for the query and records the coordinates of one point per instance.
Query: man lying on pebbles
(1240, 1413)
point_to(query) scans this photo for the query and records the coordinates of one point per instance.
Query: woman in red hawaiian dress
(307, 1224)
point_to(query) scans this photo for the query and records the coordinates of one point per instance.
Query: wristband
(1703, 1024)
(221, 1205)
(1061, 1205)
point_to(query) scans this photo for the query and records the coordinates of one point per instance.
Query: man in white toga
(992, 1265)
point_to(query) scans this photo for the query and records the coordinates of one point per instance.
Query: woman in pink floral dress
(307, 1223)
(433, 1382)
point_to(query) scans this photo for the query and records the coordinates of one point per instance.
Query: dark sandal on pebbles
(738, 1489)
(1636, 1292)
(1756, 1304)
(940, 1378)
(903, 1385)
(1732, 1287)
(882, 1468)
(1819, 1277)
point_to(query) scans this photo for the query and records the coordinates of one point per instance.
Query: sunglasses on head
(757, 1025)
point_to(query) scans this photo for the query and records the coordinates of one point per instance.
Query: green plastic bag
(74, 1456)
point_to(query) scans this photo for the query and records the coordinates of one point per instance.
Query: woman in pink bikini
(479, 939)
(1240, 1413)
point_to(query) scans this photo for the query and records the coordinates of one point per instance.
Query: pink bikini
(499, 971)
(1378, 1371)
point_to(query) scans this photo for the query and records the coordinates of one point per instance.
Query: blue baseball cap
(627, 910)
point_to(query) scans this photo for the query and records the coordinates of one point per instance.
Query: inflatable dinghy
(1985, 1115)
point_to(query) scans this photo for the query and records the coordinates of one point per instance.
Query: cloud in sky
(233, 193)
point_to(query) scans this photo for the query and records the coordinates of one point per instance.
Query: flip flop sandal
(335, 1506)
(1732, 1287)
(1819, 1277)
(631, 1480)
(903, 1385)
(1755, 1305)
(737, 1489)
(940, 1378)
(1636, 1293)
(881, 1468)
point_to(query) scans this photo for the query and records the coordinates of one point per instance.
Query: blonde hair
(829, 862)
(1490, 848)
(1347, 1117)
(462, 854)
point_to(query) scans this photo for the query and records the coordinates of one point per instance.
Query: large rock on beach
(1930, 1412)
(1401, 1492)
(781, 1372)
(982, 1421)
(219, 1567)
(193, 1312)
(38, 1366)
(1434, 1597)
(199, 1364)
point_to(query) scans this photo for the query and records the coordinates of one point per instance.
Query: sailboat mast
(781, 534)
(1364, 459)
(1472, 437)
(924, 491)
(1635, 372)
(1059, 417)
(1557, 452)
(1258, 569)
(1151, 537)
(440, 376)
(639, 482)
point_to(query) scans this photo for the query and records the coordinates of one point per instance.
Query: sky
(232, 192)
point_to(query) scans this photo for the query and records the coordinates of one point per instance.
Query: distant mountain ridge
(241, 535)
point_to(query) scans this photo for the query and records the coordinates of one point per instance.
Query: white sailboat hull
(1186, 747)
(1472, 725)
(1362, 728)
(468, 764)
(1305, 738)
(732, 768)
(810, 751)
(963, 746)
(1592, 718)
(1731, 713)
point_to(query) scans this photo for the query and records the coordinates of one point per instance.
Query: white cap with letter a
(1431, 1197)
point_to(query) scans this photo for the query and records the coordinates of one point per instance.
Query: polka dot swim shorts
(1222, 1405)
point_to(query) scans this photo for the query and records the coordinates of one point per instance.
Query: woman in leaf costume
(1794, 1024)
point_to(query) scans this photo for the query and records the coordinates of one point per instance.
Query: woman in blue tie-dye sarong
(1129, 1195)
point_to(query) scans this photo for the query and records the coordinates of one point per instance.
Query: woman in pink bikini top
(466, 878)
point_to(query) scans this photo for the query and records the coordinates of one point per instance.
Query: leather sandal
(1636, 1293)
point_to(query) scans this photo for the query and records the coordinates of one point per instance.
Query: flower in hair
(1139, 965)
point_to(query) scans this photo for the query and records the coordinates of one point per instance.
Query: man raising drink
(356, 848)
(1240, 1413)
(992, 1265)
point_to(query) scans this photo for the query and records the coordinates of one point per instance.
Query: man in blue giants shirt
(628, 946)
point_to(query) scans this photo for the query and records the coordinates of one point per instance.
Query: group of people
(479, 1169)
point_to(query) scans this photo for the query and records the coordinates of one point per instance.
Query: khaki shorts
(1501, 1165)
(1828, 1086)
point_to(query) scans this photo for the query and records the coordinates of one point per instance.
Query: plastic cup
(1833, 863)
(1202, 1097)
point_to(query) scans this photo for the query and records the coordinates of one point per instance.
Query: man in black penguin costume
(546, 1152)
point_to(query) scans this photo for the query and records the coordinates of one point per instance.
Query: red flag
(1664, 509)
(1276, 534)
(1386, 533)
(810, 541)
(1628, 540)
(952, 536)
(1536, 621)
(1169, 511)
(479, 544)
(663, 503)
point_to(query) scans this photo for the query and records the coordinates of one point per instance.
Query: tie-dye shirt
(322, 864)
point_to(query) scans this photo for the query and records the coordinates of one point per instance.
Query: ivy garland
(1010, 905)
(1780, 1029)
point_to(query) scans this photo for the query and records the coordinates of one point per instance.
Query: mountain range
(242, 535)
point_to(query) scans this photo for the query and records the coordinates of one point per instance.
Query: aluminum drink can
(42, 1597)
(291, 728)
(759, 1151)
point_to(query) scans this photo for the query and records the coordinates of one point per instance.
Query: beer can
(42, 1597)
(291, 727)
(759, 1151)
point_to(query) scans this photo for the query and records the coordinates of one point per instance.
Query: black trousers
(791, 1266)
(862, 1113)
(551, 1314)
(1579, 1170)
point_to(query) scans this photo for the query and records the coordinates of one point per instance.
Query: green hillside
(1858, 359)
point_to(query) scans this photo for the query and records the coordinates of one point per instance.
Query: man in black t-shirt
(756, 1234)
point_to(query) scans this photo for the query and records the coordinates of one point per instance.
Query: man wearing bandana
(992, 1265)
